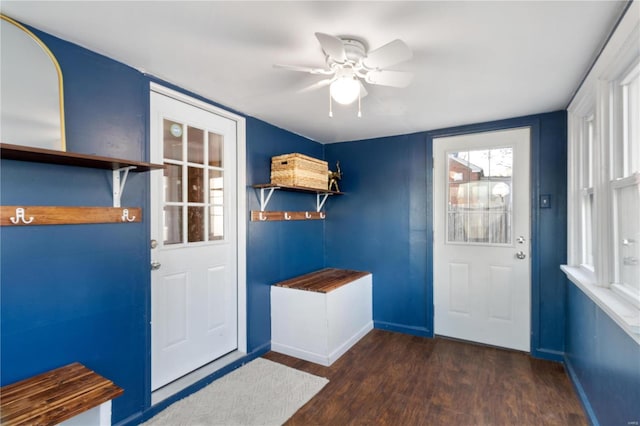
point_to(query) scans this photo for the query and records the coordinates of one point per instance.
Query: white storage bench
(319, 316)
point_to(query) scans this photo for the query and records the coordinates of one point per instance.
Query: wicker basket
(299, 170)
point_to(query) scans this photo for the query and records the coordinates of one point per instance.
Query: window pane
(172, 183)
(216, 143)
(457, 226)
(195, 185)
(458, 168)
(500, 162)
(216, 223)
(587, 229)
(628, 233)
(631, 123)
(195, 145)
(195, 224)
(216, 187)
(172, 137)
(172, 225)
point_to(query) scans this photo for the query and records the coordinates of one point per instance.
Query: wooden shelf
(63, 215)
(40, 155)
(297, 189)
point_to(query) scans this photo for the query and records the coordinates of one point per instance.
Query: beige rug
(261, 392)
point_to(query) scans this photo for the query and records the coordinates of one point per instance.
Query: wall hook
(307, 215)
(262, 218)
(286, 216)
(322, 215)
(125, 216)
(20, 217)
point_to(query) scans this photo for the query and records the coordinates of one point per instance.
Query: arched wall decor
(32, 109)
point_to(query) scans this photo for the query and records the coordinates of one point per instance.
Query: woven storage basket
(299, 170)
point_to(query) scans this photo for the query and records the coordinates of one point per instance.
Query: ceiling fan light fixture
(345, 90)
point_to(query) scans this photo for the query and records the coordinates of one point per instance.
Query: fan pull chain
(359, 104)
(330, 103)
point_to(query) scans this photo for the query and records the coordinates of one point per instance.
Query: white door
(193, 227)
(481, 244)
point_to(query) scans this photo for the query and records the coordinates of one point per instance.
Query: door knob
(520, 255)
(155, 265)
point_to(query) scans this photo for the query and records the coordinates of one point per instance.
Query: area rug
(261, 392)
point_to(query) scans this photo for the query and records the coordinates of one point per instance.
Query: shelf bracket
(320, 200)
(264, 201)
(118, 183)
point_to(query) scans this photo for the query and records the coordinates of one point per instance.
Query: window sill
(621, 312)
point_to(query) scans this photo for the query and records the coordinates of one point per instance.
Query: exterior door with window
(482, 237)
(193, 231)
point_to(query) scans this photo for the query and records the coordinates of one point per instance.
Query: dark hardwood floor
(395, 379)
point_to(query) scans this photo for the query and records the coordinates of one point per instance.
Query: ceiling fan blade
(332, 46)
(389, 78)
(302, 68)
(317, 85)
(390, 54)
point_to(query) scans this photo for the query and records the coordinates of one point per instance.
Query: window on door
(193, 184)
(479, 207)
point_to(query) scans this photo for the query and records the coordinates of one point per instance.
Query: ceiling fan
(349, 64)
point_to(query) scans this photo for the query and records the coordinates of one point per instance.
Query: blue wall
(276, 250)
(79, 292)
(604, 362)
(82, 292)
(383, 225)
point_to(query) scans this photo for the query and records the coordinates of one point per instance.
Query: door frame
(241, 214)
(533, 122)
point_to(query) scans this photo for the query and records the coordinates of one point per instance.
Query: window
(625, 186)
(604, 179)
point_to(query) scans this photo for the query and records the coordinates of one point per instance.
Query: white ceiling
(473, 61)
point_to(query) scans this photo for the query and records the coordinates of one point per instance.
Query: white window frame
(598, 171)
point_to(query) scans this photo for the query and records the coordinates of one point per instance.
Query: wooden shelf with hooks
(266, 191)
(59, 215)
(63, 215)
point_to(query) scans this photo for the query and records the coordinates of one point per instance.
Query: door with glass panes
(481, 237)
(193, 231)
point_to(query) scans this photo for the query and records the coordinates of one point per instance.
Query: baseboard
(134, 419)
(405, 329)
(548, 354)
(352, 341)
(322, 359)
(300, 353)
(582, 395)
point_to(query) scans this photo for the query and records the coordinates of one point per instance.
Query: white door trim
(241, 170)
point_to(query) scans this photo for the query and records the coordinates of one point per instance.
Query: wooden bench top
(322, 281)
(54, 396)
